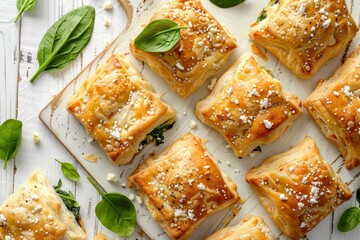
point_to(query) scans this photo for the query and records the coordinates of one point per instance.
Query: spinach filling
(263, 14)
(157, 135)
(69, 201)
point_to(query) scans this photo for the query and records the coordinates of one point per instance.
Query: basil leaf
(358, 195)
(65, 40)
(116, 212)
(69, 201)
(10, 139)
(349, 219)
(160, 35)
(69, 171)
(226, 3)
(24, 5)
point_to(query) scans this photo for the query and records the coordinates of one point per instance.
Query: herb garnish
(69, 171)
(160, 35)
(227, 3)
(65, 40)
(10, 139)
(157, 135)
(116, 212)
(263, 13)
(351, 217)
(24, 5)
(69, 201)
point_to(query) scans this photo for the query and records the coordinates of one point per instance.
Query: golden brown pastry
(101, 236)
(250, 228)
(248, 107)
(335, 107)
(298, 188)
(36, 212)
(119, 108)
(304, 34)
(183, 185)
(200, 53)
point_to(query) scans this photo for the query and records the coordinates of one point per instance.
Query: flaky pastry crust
(248, 107)
(335, 107)
(118, 108)
(200, 53)
(298, 188)
(304, 34)
(182, 186)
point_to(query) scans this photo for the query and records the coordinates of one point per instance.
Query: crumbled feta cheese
(179, 213)
(107, 22)
(243, 119)
(212, 83)
(228, 163)
(346, 91)
(336, 93)
(291, 169)
(267, 124)
(302, 225)
(201, 186)
(7, 237)
(191, 216)
(252, 154)
(300, 205)
(90, 140)
(264, 103)
(2, 219)
(108, 5)
(283, 197)
(314, 191)
(193, 124)
(111, 177)
(139, 200)
(227, 146)
(35, 197)
(36, 138)
(327, 23)
(254, 92)
(123, 185)
(131, 197)
(302, 8)
(190, 181)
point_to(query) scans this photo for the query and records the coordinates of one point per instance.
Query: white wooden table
(22, 100)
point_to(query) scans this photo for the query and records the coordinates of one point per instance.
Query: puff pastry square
(183, 185)
(119, 108)
(298, 188)
(250, 228)
(200, 53)
(304, 34)
(335, 107)
(36, 212)
(248, 107)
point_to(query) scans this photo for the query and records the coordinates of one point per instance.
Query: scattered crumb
(90, 140)
(258, 52)
(108, 6)
(252, 154)
(123, 185)
(184, 113)
(91, 158)
(212, 83)
(107, 22)
(139, 200)
(131, 197)
(227, 146)
(36, 138)
(193, 124)
(228, 163)
(111, 177)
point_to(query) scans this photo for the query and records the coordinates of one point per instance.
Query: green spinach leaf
(10, 139)
(65, 40)
(157, 135)
(160, 35)
(116, 212)
(24, 5)
(349, 219)
(358, 195)
(69, 171)
(226, 3)
(263, 13)
(69, 201)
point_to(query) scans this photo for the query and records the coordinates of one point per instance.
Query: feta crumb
(201, 186)
(111, 177)
(123, 185)
(2, 219)
(227, 146)
(264, 103)
(254, 92)
(35, 197)
(179, 213)
(108, 6)
(36, 138)
(267, 124)
(283, 197)
(302, 225)
(131, 197)
(191, 216)
(252, 154)
(228, 163)
(193, 124)
(243, 119)
(184, 113)
(327, 22)
(291, 169)
(107, 22)
(212, 83)
(90, 140)
(7, 237)
(139, 200)
(302, 8)
(336, 93)
(346, 91)
(300, 205)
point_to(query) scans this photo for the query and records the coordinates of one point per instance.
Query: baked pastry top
(183, 185)
(248, 107)
(335, 107)
(200, 53)
(119, 108)
(298, 188)
(36, 212)
(250, 228)
(304, 34)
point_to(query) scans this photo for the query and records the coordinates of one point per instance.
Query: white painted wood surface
(22, 100)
